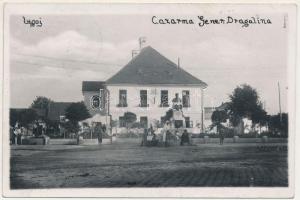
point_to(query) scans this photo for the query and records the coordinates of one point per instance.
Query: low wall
(210, 140)
(117, 140)
(127, 140)
(94, 141)
(239, 140)
(35, 141)
(63, 141)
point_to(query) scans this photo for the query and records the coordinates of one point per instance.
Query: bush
(249, 135)
(273, 134)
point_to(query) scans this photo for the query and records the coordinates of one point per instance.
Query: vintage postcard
(149, 100)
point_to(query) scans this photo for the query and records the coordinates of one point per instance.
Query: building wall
(87, 101)
(154, 111)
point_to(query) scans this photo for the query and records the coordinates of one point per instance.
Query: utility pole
(134, 53)
(279, 103)
(107, 103)
(202, 110)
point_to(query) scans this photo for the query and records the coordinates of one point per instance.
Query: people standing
(144, 138)
(221, 135)
(99, 131)
(185, 138)
(168, 137)
(165, 131)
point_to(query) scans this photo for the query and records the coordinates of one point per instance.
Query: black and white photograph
(176, 98)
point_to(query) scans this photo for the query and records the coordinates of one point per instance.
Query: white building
(146, 87)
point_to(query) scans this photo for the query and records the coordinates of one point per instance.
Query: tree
(218, 117)
(168, 116)
(27, 116)
(277, 125)
(129, 119)
(71, 127)
(14, 117)
(41, 103)
(74, 113)
(244, 103)
(259, 116)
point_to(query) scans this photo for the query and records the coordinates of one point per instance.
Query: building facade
(148, 86)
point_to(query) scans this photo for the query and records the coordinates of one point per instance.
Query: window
(95, 101)
(143, 98)
(186, 98)
(122, 98)
(122, 122)
(144, 122)
(164, 98)
(188, 123)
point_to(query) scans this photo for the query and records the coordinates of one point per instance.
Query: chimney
(178, 65)
(141, 41)
(134, 53)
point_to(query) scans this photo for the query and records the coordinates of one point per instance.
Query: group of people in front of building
(151, 139)
(18, 132)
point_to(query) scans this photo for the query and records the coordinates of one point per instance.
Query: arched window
(95, 101)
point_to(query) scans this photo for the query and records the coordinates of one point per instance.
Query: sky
(54, 59)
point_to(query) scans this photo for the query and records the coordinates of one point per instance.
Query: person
(154, 141)
(19, 136)
(99, 131)
(165, 130)
(185, 138)
(104, 128)
(144, 138)
(11, 133)
(34, 130)
(15, 136)
(221, 135)
(168, 137)
(151, 130)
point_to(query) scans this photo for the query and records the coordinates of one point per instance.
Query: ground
(130, 165)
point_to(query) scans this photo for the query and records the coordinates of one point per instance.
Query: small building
(147, 87)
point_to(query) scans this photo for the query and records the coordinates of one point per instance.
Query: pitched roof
(92, 85)
(56, 109)
(150, 67)
(40, 112)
